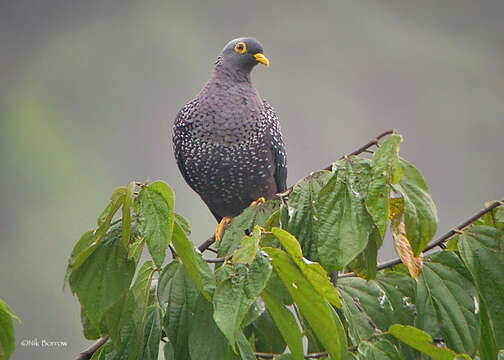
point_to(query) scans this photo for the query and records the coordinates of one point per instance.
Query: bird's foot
(261, 200)
(220, 229)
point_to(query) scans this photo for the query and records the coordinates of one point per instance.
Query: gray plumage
(227, 141)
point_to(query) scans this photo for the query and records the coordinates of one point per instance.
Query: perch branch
(88, 353)
(364, 148)
(440, 241)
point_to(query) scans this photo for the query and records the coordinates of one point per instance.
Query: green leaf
(155, 218)
(251, 216)
(313, 271)
(135, 249)
(116, 200)
(197, 268)
(482, 250)
(276, 288)
(244, 347)
(364, 265)
(7, 339)
(420, 214)
(247, 252)
(183, 223)
(381, 349)
(126, 214)
(386, 170)
(287, 325)
(421, 341)
(84, 247)
(265, 335)
(302, 223)
(488, 348)
(125, 320)
(384, 301)
(343, 222)
(254, 312)
(178, 292)
(447, 282)
(314, 307)
(152, 332)
(206, 341)
(90, 331)
(103, 277)
(236, 291)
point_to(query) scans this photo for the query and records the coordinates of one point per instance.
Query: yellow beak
(262, 59)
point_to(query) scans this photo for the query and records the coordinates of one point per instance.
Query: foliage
(7, 343)
(276, 290)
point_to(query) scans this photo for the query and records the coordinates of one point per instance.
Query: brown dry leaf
(405, 252)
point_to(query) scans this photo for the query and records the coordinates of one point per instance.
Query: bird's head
(243, 54)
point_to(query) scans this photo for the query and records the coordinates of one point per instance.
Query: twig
(307, 356)
(88, 353)
(205, 245)
(439, 242)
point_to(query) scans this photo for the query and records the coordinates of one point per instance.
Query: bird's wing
(181, 132)
(277, 147)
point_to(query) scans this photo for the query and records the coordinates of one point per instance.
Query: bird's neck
(224, 72)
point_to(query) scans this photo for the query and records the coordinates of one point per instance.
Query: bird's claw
(219, 233)
(261, 200)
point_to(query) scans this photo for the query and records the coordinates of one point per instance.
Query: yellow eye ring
(241, 48)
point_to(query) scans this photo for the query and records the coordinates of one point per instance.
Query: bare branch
(88, 353)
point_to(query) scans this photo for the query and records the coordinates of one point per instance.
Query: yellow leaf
(405, 252)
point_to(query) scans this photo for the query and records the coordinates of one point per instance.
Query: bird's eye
(240, 48)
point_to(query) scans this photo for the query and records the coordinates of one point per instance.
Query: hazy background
(89, 91)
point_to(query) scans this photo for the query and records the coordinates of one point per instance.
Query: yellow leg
(261, 200)
(220, 229)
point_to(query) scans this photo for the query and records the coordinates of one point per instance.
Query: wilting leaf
(403, 248)
(420, 214)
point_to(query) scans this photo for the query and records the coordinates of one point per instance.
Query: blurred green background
(89, 91)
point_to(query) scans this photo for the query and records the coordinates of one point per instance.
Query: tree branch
(88, 353)
(364, 148)
(440, 241)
